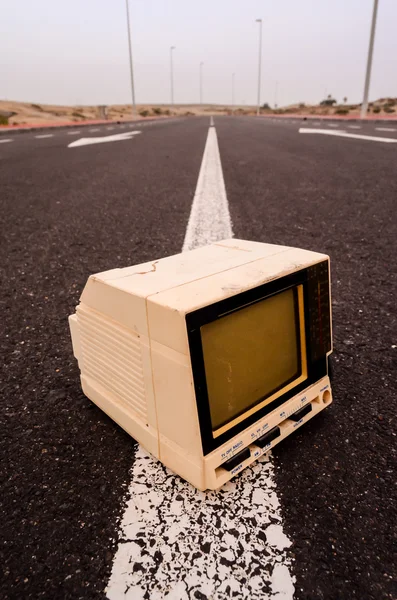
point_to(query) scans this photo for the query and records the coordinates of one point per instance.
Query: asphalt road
(337, 478)
(69, 212)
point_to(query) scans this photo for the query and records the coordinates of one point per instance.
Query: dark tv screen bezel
(196, 319)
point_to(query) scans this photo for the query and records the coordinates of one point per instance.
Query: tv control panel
(269, 431)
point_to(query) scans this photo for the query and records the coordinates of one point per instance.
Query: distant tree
(329, 101)
(265, 105)
(345, 100)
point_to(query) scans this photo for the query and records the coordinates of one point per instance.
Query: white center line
(209, 219)
(5, 141)
(45, 135)
(175, 542)
(354, 126)
(73, 132)
(385, 128)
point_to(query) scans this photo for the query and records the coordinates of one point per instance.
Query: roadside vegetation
(17, 113)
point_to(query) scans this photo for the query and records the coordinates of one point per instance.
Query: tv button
(236, 459)
(297, 416)
(271, 435)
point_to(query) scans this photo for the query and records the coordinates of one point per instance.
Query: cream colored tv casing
(130, 339)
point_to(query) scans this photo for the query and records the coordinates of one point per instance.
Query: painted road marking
(356, 136)
(46, 135)
(118, 137)
(175, 542)
(5, 141)
(385, 129)
(73, 132)
(95, 129)
(333, 124)
(209, 219)
(354, 126)
(109, 127)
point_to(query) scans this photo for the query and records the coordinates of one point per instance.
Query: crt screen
(249, 354)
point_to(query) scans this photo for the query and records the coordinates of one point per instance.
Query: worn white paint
(282, 585)
(5, 141)
(73, 132)
(209, 219)
(176, 542)
(94, 129)
(276, 537)
(385, 129)
(45, 135)
(333, 124)
(354, 126)
(355, 136)
(118, 137)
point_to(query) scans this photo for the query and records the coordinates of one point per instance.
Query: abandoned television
(211, 357)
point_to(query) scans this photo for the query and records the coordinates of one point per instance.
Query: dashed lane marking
(5, 141)
(385, 129)
(73, 132)
(45, 135)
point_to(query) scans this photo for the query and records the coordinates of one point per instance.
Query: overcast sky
(76, 51)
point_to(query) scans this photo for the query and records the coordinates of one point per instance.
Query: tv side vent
(112, 359)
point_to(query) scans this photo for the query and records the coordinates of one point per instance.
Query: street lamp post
(131, 65)
(259, 65)
(201, 82)
(364, 106)
(172, 74)
(232, 92)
